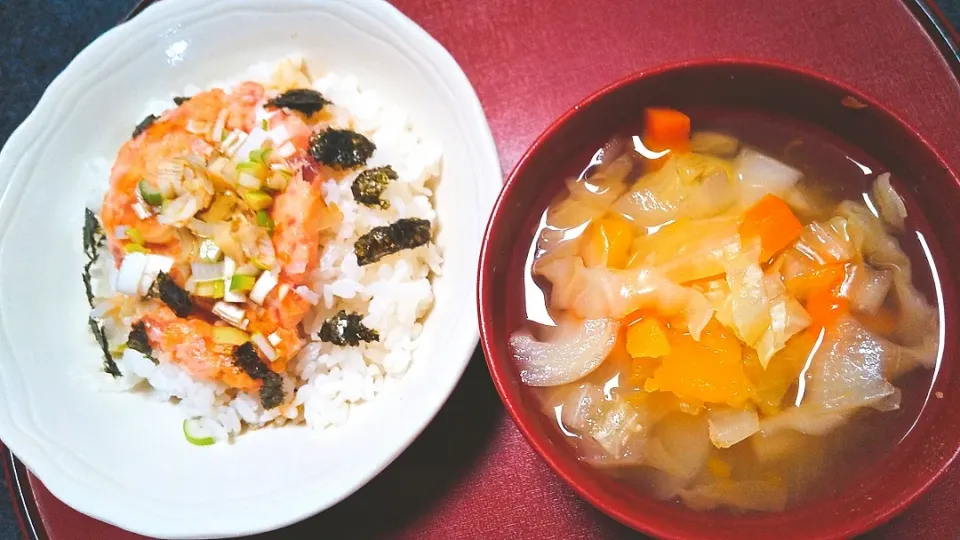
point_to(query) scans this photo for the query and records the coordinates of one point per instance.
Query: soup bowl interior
(896, 477)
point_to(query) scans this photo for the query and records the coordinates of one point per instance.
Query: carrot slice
(607, 242)
(773, 222)
(647, 339)
(665, 129)
(821, 278)
(826, 306)
(667, 126)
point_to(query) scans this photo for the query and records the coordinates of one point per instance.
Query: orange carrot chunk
(773, 222)
(607, 243)
(667, 126)
(821, 278)
(825, 306)
(665, 129)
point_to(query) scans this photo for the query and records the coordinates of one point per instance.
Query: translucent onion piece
(867, 288)
(598, 292)
(729, 426)
(762, 175)
(804, 420)
(918, 320)
(847, 372)
(604, 186)
(679, 446)
(575, 351)
(892, 209)
(718, 144)
(758, 495)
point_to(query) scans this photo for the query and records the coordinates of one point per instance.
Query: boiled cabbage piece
(688, 185)
(599, 292)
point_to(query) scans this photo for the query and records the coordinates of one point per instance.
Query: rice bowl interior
(113, 455)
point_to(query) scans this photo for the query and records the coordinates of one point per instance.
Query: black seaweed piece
(341, 148)
(180, 100)
(346, 329)
(109, 365)
(247, 359)
(302, 100)
(403, 234)
(369, 186)
(173, 296)
(271, 393)
(138, 341)
(93, 239)
(144, 124)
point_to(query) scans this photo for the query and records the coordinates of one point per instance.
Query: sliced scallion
(210, 289)
(264, 220)
(135, 236)
(210, 252)
(135, 248)
(257, 200)
(151, 195)
(196, 434)
(242, 283)
(259, 155)
(228, 335)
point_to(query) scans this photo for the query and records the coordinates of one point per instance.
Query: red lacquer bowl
(897, 477)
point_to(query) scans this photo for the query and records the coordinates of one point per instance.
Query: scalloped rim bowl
(887, 486)
(121, 458)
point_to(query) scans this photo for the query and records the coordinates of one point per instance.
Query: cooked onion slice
(892, 209)
(576, 351)
(762, 175)
(730, 426)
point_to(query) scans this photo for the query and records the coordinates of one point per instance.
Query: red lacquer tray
(471, 475)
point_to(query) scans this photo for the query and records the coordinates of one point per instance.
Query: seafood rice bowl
(262, 254)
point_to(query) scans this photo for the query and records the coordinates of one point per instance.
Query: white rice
(394, 294)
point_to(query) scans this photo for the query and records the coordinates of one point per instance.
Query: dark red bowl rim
(485, 314)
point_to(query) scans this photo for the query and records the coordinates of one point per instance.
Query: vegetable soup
(729, 310)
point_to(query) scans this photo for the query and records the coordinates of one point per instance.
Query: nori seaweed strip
(369, 186)
(305, 100)
(247, 359)
(180, 100)
(406, 233)
(173, 296)
(144, 124)
(93, 239)
(341, 148)
(138, 341)
(109, 365)
(346, 329)
(271, 393)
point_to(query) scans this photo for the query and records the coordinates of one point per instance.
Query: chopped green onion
(242, 283)
(135, 248)
(258, 200)
(265, 124)
(195, 433)
(264, 220)
(150, 194)
(135, 236)
(117, 351)
(210, 252)
(228, 335)
(259, 155)
(252, 168)
(259, 264)
(210, 289)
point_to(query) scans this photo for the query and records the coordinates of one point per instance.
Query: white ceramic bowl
(121, 458)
